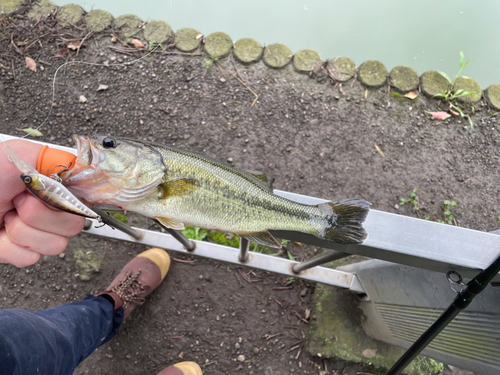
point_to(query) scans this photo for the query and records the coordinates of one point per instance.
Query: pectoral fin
(262, 238)
(170, 223)
(177, 187)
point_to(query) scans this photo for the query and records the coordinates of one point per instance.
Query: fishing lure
(49, 190)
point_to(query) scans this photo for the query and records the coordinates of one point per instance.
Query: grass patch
(413, 200)
(448, 216)
(450, 95)
(225, 239)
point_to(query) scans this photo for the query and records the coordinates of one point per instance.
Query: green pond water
(423, 34)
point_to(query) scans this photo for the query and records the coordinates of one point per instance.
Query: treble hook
(57, 176)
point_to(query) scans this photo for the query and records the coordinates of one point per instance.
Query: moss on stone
(336, 332)
(129, 24)
(8, 6)
(433, 83)
(157, 32)
(98, 19)
(87, 263)
(404, 79)
(468, 84)
(42, 9)
(70, 14)
(305, 59)
(277, 55)
(493, 95)
(218, 44)
(186, 39)
(372, 73)
(248, 50)
(341, 68)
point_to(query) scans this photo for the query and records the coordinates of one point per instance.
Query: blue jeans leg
(55, 341)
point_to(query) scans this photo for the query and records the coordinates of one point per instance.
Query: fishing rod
(462, 300)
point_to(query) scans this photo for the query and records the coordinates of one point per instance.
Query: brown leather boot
(182, 368)
(138, 279)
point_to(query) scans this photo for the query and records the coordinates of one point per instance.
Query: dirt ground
(315, 138)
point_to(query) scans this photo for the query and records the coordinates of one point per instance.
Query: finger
(31, 238)
(14, 254)
(5, 207)
(36, 214)
(10, 183)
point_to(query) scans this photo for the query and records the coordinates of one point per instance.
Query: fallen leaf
(366, 93)
(30, 64)
(307, 314)
(31, 131)
(411, 95)
(379, 150)
(137, 43)
(369, 353)
(439, 115)
(102, 87)
(82, 99)
(62, 52)
(181, 355)
(74, 45)
(454, 113)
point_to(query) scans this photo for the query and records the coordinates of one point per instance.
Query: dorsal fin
(265, 179)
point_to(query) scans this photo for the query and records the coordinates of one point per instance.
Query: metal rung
(232, 255)
(179, 236)
(244, 246)
(326, 257)
(117, 224)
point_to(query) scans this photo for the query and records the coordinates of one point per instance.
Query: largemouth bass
(184, 188)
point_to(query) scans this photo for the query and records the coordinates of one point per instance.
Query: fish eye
(109, 142)
(27, 179)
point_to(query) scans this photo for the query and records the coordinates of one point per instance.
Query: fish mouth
(85, 156)
(87, 152)
(83, 150)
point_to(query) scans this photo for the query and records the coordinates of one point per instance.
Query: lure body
(56, 195)
(50, 191)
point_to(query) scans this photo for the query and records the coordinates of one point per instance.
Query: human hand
(28, 227)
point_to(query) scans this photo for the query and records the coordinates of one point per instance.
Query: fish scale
(242, 200)
(184, 188)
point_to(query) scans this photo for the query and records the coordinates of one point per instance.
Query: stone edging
(371, 73)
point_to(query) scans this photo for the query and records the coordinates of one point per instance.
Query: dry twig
(243, 83)
(269, 337)
(298, 316)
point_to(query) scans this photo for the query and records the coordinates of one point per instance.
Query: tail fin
(344, 221)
